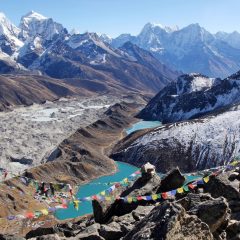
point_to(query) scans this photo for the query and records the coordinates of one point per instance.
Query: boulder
(233, 230)
(215, 213)
(221, 186)
(141, 211)
(41, 232)
(148, 170)
(234, 176)
(192, 200)
(126, 222)
(90, 233)
(173, 180)
(49, 237)
(169, 221)
(112, 231)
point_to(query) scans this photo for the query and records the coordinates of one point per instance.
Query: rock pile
(211, 212)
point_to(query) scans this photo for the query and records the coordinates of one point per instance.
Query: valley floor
(30, 134)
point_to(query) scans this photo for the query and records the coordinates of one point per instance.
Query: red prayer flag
(30, 215)
(191, 186)
(164, 195)
(94, 197)
(64, 205)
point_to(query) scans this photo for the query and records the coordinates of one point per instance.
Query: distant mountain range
(190, 49)
(97, 63)
(42, 46)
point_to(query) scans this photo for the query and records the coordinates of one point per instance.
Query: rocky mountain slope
(190, 49)
(29, 89)
(190, 96)
(84, 155)
(192, 145)
(45, 47)
(78, 159)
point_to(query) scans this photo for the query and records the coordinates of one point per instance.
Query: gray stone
(169, 221)
(10, 237)
(215, 213)
(112, 231)
(141, 211)
(90, 233)
(173, 180)
(41, 232)
(49, 237)
(221, 186)
(233, 176)
(233, 230)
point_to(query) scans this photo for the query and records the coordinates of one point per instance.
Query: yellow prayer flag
(108, 198)
(130, 199)
(154, 196)
(44, 212)
(76, 204)
(125, 180)
(103, 193)
(234, 163)
(206, 179)
(180, 190)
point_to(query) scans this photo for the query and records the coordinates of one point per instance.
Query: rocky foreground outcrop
(209, 212)
(191, 145)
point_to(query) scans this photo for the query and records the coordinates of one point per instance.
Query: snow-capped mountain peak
(34, 15)
(168, 29)
(194, 82)
(2, 16)
(9, 42)
(6, 27)
(105, 38)
(34, 24)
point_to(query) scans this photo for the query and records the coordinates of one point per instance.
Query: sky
(114, 17)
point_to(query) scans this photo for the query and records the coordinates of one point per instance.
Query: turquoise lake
(124, 170)
(96, 186)
(143, 125)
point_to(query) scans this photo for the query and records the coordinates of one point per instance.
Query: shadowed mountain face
(192, 145)
(191, 96)
(86, 57)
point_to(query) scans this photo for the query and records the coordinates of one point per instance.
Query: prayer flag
(44, 212)
(154, 196)
(191, 186)
(180, 190)
(206, 179)
(164, 195)
(139, 198)
(186, 188)
(148, 198)
(173, 192)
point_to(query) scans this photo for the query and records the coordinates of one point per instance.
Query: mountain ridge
(190, 96)
(180, 47)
